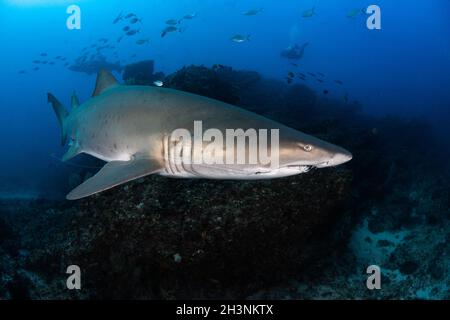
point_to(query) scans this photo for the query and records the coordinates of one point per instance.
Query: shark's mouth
(322, 165)
(301, 168)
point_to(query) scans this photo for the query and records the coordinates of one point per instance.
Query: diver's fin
(74, 150)
(105, 81)
(113, 174)
(61, 114)
(75, 101)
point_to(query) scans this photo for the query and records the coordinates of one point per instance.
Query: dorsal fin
(105, 81)
(75, 101)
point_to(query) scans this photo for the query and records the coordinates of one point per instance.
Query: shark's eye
(307, 148)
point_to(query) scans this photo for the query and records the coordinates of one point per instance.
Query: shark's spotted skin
(129, 127)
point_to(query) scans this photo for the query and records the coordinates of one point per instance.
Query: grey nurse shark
(129, 128)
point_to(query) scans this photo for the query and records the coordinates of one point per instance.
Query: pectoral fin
(113, 174)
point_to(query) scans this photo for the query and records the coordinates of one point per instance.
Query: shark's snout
(339, 157)
(342, 157)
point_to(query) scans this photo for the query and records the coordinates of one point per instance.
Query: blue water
(402, 69)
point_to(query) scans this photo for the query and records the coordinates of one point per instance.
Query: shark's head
(304, 151)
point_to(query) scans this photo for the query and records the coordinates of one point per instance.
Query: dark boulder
(141, 73)
(203, 81)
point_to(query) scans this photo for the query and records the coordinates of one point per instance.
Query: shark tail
(61, 114)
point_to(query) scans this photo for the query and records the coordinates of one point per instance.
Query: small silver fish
(142, 41)
(240, 38)
(167, 30)
(354, 13)
(172, 22)
(309, 13)
(158, 83)
(135, 20)
(252, 12)
(190, 16)
(132, 32)
(119, 17)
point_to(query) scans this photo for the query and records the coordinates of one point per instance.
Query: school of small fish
(131, 27)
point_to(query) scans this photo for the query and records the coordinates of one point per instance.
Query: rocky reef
(141, 73)
(405, 232)
(216, 82)
(167, 238)
(308, 236)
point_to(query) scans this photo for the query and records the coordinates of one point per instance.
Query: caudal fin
(61, 114)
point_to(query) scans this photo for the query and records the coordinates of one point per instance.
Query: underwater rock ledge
(163, 238)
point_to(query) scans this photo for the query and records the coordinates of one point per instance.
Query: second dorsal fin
(105, 81)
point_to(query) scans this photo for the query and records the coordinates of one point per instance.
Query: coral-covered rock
(141, 73)
(166, 238)
(203, 81)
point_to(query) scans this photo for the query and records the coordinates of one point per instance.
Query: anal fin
(113, 174)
